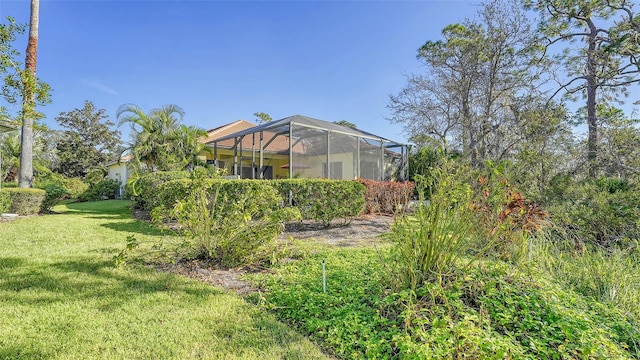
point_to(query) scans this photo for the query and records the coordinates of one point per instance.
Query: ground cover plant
(493, 310)
(62, 298)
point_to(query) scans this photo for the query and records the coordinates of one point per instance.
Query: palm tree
(189, 146)
(29, 81)
(159, 141)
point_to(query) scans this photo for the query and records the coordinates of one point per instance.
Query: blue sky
(222, 61)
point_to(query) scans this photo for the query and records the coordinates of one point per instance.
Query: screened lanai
(303, 147)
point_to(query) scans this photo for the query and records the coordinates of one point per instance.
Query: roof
(227, 129)
(123, 160)
(304, 121)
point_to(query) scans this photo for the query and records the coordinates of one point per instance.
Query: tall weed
(429, 242)
(610, 276)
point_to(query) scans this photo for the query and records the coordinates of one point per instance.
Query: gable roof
(227, 129)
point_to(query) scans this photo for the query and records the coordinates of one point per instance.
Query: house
(303, 147)
(120, 171)
(296, 147)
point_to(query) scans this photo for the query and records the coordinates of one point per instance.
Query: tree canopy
(87, 142)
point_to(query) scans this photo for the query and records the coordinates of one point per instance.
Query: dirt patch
(360, 231)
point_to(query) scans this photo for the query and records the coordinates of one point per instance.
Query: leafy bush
(232, 222)
(323, 200)
(25, 201)
(104, 189)
(54, 194)
(603, 212)
(143, 191)
(75, 187)
(386, 197)
(5, 201)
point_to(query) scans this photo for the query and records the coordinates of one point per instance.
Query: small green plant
(121, 258)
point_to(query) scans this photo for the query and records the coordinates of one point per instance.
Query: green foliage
(262, 117)
(490, 311)
(602, 212)
(86, 142)
(95, 176)
(386, 197)
(231, 222)
(104, 189)
(54, 194)
(158, 141)
(74, 186)
(429, 242)
(25, 201)
(144, 191)
(611, 276)
(323, 200)
(5, 201)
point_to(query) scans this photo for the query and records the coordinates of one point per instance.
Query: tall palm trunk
(28, 101)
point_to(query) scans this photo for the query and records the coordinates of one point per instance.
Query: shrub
(75, 187)
(143, 191)
(104, 189)
(232, 222)
(5, 201)
(25, 201)
(54, 193)
(386, 197)
(323, 200)
(430, 242)
(601, 213)
(505, 217)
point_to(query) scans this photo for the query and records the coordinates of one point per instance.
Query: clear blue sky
(222, 60)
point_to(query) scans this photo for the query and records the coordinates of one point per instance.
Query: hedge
(5, 201)
(323, 200)
(386, 197)
(144, 191)
(228, 191)
(25, 201)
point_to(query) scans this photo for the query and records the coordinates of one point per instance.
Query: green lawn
(61, 298)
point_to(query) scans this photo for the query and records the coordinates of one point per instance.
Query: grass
(61, 298)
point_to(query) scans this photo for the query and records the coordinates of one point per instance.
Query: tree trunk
(25, 179)
(592, 87)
